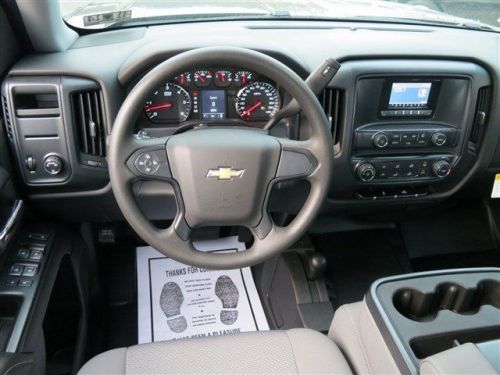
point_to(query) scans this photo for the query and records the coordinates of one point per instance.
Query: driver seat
(295, 351)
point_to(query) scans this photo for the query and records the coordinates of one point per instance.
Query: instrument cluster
(213, 95)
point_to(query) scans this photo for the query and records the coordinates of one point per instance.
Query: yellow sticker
(495, 193)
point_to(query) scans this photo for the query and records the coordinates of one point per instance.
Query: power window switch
(29, 271)
(25, 283)
(38, 236)
(11, 282)
(37, 247)
(36, 254)
(16, 270)
(23, 253)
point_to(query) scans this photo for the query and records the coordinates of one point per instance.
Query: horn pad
(223, 174)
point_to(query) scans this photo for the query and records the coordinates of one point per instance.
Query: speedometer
(169, 103)
(257, 101)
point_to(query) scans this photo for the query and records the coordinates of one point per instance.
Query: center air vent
(331, 101)
(89, 122)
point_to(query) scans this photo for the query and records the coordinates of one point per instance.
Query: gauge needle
(201, 78)
(244, 78)
(166, 105)
(247, 112)
(222, 77)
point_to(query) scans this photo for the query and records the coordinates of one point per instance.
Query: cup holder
(419, 306)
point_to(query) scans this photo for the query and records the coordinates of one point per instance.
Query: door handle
(13, 218)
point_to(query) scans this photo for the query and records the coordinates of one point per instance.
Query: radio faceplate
(405, 137)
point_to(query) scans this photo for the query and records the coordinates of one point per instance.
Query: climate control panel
(385, 169)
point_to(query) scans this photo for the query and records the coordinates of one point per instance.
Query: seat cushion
(296, 351)
(356, 333)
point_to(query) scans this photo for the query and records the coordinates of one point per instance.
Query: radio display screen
(213, 104)
(410, 94)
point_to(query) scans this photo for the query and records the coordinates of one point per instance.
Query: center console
(422, 315)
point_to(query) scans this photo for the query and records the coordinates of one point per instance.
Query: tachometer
(257, 101)
(169, 103)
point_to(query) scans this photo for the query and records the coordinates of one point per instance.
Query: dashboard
(220, 95)
(413, 119)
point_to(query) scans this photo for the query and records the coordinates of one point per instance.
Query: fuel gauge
(184, 79)
(243, 78)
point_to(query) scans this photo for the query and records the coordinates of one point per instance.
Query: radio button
(422, 139)
(395, 137)
(406, 139)
(438, 139)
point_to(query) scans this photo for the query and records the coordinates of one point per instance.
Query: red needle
(222, 76)
(247, 112)
(166, 105)
(182, 79)
(201, 78)
(244, 78)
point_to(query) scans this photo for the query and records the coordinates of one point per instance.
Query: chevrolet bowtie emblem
(225, 173)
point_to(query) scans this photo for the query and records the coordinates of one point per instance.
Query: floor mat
(489, 258)
(177, 301)
(356, 259)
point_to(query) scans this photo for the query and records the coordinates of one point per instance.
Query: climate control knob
(53, 164)
(380, 140)
(366, 172)
(441, 168)
(438, 139)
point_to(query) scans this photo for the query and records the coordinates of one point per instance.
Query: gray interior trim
(45, 26)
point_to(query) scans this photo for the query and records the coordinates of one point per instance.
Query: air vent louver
(89, 122)
(331, 101)
(8, 121)
(481, 114)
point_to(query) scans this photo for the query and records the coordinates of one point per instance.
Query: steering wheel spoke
(148, 159)
(265, 226)
(296, 161)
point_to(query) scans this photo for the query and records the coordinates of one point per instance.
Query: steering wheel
(221, 176)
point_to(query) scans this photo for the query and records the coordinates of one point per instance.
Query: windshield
(97, 14)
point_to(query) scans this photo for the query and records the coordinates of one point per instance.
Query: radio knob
(438, 139)
(366, 172)
(380, 140)
(441, 168)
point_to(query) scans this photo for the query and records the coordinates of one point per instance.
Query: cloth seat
(296, 351)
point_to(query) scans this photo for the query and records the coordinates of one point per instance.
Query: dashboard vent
(8, 121)
(89, 121)
(481, 114)
(331, 101)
